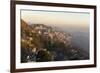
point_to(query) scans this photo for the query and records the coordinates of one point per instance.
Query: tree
(23, 55)
(43, 55)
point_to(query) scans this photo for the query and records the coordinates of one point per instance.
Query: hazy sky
(56, 18)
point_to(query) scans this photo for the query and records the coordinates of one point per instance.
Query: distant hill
(41, 43)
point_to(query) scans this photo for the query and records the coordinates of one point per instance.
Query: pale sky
(56, 18)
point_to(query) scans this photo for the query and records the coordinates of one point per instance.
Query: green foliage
(23, 55)
(43, 55)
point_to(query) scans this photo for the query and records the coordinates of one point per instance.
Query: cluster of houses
(52, 34)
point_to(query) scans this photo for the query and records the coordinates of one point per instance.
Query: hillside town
(52, 34)
(42, 43)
